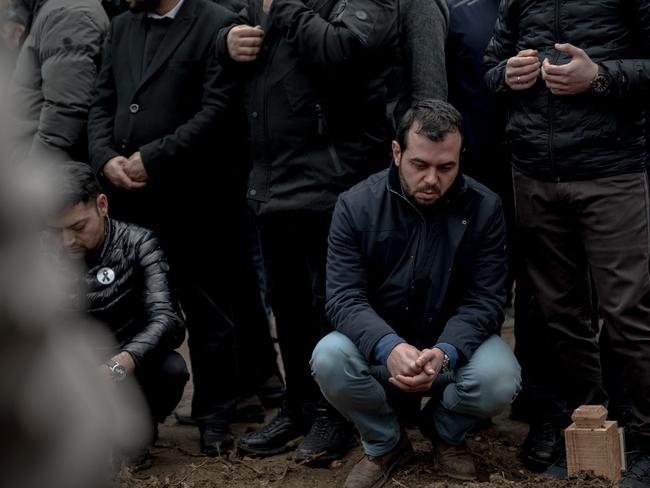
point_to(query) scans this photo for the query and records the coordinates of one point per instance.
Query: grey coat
(54, 78)
(421, 72)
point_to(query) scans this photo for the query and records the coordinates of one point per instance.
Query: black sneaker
(638, 474)
(273, 437)
(543, 446)
(329, 438)
(216, 439)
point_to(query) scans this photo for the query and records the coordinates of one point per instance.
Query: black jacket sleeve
(101, 117)
(165, 329)
(632, 76)
(501, 47)
(357, 28)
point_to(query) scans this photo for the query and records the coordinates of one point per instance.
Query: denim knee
(332, 362)
(488, 383)
(498, 387)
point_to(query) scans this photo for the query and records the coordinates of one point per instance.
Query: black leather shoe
(273, 437)
(328, 439)
(216, 439)
(543, 446)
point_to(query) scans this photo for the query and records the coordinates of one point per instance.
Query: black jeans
(600, 225)
(294, 248)
(162, 383)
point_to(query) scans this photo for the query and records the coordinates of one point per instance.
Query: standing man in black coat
(316, 103)
(575, 77)
(162, 94)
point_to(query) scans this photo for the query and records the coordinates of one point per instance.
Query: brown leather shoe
(373, 472)
(454, 461)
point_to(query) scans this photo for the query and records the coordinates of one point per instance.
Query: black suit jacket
(171, 112)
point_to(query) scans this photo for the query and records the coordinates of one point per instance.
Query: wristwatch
(118, 372)
(445, 363)
(600, 83)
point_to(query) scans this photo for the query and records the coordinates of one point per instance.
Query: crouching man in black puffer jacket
(127, 288)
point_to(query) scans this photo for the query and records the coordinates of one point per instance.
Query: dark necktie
(155, 33)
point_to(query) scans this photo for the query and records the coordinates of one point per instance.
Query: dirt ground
(178, 462)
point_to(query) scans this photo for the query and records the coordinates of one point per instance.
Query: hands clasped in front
(412, 370)
(128, 174)
(571, 78)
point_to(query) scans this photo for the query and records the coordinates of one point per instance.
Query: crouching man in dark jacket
(126, 287)
(416, 274)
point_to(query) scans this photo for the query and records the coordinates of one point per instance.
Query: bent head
(137, 6)
(427, 150)
(80, 225)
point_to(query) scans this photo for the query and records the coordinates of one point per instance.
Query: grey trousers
(482, 388)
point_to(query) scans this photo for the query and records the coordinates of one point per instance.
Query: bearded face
(137, 6)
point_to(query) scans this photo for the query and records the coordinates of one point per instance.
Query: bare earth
(178, 462)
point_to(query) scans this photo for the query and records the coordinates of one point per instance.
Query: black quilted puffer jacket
(584, 136)
(128, 289)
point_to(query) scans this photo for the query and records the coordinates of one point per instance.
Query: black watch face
(600, 84)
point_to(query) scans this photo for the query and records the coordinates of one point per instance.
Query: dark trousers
(600, 225)
(202, 270)
(252, 325)
(162, 383)
(294, 249)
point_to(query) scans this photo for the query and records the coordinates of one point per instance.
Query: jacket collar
(98, 256)
(181, 26)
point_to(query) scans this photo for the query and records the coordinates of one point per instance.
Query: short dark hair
(435, 118)
(78, 183)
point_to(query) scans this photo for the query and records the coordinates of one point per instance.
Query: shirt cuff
(385, 345)
(450, 351)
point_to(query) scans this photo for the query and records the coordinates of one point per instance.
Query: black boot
(273, 437)
(543, 446)
(216, 439)
(330, 438)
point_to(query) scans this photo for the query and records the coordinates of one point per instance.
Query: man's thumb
(569, 49)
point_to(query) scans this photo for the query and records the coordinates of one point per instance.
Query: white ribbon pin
(106, 276)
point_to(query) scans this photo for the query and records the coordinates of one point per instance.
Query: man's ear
(397, 152)
(102, 205)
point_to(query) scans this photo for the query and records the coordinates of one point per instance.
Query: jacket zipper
(324, 132)
(551, 112)
(414, 258)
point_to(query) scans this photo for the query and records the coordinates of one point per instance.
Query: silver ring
(518, 79)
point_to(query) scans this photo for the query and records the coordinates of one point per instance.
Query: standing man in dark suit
(162, 96)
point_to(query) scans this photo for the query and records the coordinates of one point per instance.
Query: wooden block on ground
(593, 444)
(589, 416)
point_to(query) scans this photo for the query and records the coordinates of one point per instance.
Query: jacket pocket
(299, 91)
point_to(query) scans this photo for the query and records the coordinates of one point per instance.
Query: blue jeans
(482, 388)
